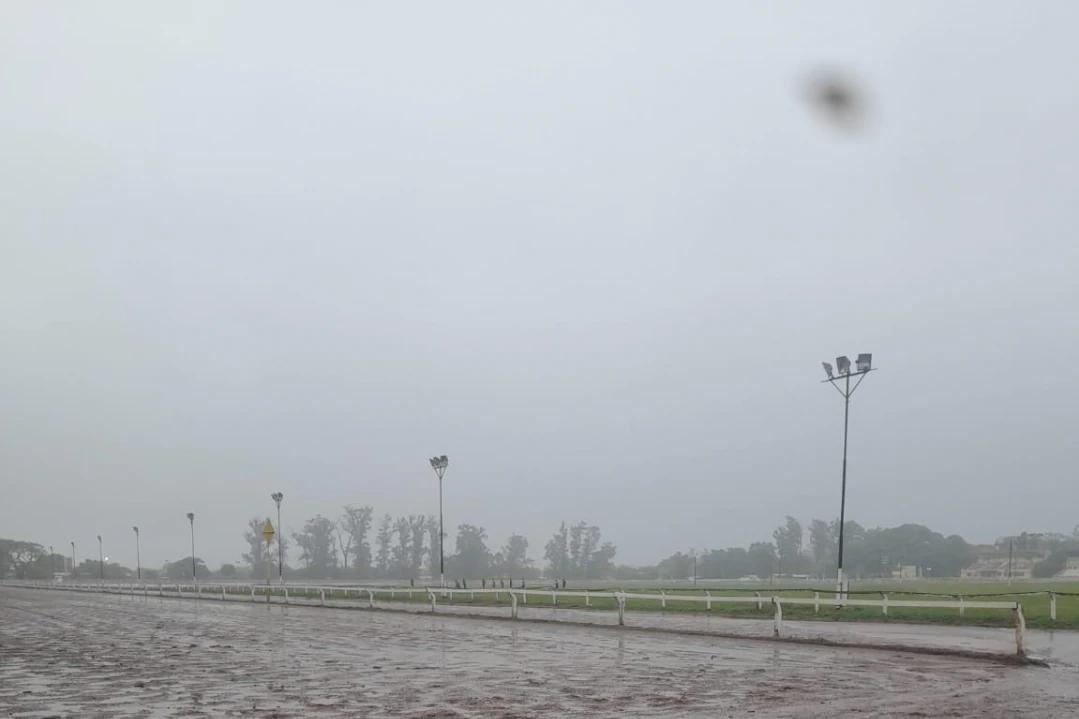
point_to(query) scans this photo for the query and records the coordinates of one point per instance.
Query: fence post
(1020, 629)
(252, 592)
(587, 600)
(554, 598)
(322, 597)
(371, 598)
(962, 608)
(778, 620)
(662, 599)
(286, 595)
(816, 602)
(1052, 606)
(621, 598)
(708, 601)
(222, 594)
(524, 596)
(759, 604)
(513, 611)
(884, 603)
(432, 596)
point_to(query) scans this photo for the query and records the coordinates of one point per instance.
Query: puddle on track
(64, 655)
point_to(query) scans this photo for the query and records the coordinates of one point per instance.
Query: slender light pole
(138, 557)
(52, 563)
(101, 558)
(194, 574)
(277, 497)
(862, 368)
(439, 464)
(72, 561)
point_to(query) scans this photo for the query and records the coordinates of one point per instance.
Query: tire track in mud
(107, 656)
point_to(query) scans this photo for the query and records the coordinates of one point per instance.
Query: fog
(594, 253)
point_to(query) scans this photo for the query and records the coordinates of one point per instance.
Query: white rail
(305, 594)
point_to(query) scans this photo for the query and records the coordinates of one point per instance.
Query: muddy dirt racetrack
(65, 655)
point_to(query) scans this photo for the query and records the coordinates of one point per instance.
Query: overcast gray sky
(594, 252)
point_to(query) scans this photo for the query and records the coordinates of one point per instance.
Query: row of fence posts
(620, 600)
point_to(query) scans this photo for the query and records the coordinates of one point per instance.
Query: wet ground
(87, 655)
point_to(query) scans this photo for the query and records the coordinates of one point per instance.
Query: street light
(73, 574)
(863, 367)
(194, 574)
(138, 558)
(52, 563)
(101, 558)
(277, 497)
(439, 464)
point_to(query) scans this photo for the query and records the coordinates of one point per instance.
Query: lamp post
(101, 558)
(138, 557)
(277, 497)
(863, 366)
(194, 574)
(439, 464)
(52, 563)
(73, 561)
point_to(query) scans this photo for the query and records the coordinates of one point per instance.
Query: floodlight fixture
(828, 369)
(843, 364)
(865, 362)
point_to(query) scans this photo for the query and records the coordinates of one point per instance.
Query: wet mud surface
(87, 655)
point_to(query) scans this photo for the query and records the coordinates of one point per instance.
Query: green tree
(227, 571)
(788, 539)
(418, 525)
(402, 551)
(601, 561)
(255, 556)
(383, 542)
(356, 523)
(316, 543)
(557, 553)
(515, 561)
(472, 559)
(434, 556)
(822, 544)
(180, 570)
(20, 557)
(762, 558)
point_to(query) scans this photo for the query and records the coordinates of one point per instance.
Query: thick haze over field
(594, 252)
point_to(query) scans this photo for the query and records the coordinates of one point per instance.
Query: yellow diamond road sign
(267, 531)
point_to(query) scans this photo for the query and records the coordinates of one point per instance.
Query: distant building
(1000, 564)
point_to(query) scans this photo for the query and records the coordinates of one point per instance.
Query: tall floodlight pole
(194, 574)
(138, 557)
(52, 563)
(72, 561)
(439, 464)
(277, 497)
(101, 558)
(843, 373)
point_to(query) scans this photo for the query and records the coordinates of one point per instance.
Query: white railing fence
(308, 594)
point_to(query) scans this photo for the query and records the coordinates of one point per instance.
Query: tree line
(355, 545)
(867, 553)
